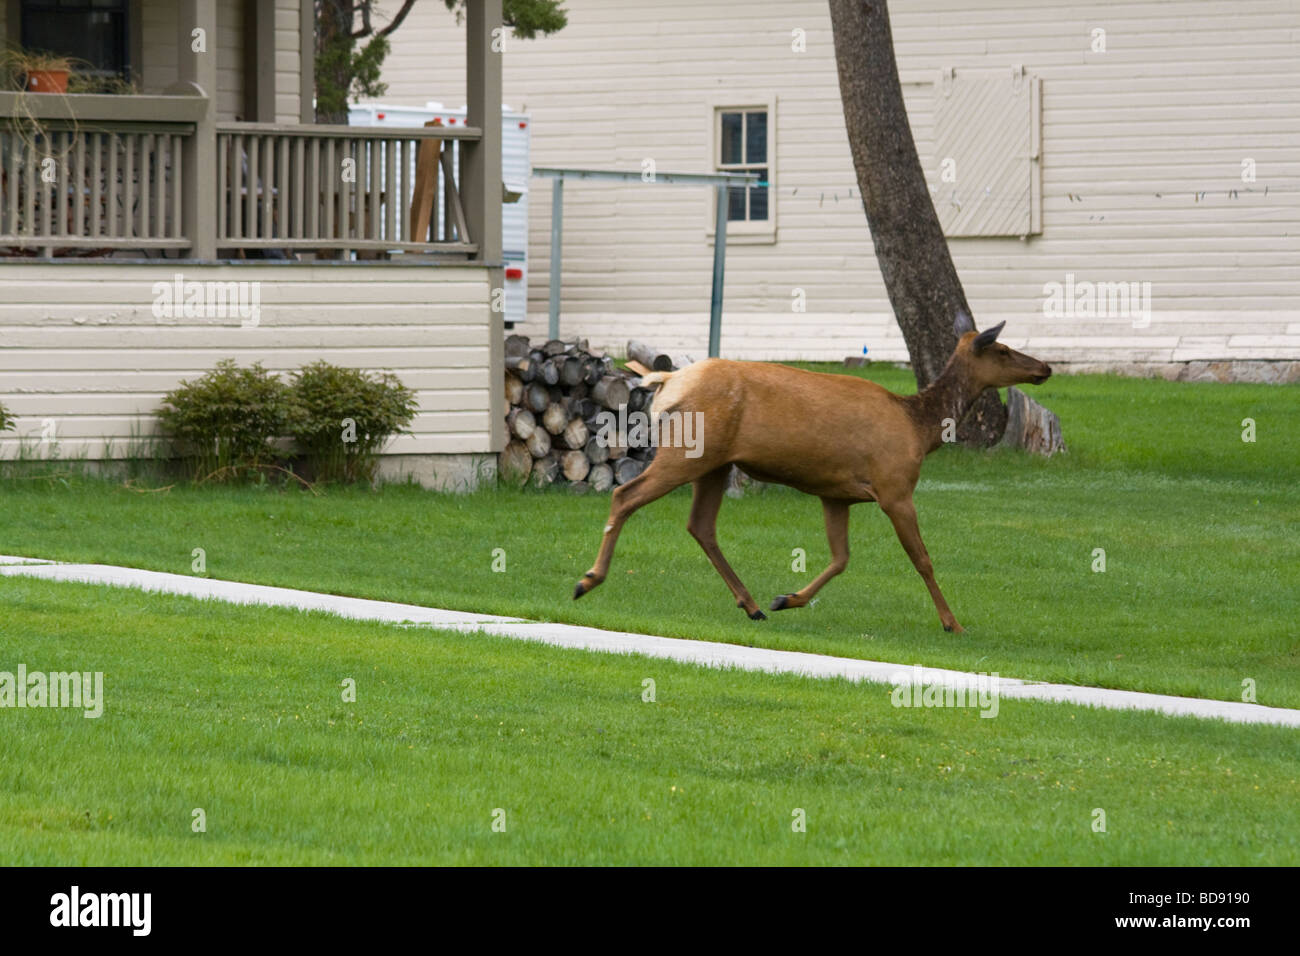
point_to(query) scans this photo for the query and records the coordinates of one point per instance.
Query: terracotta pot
(47, 81)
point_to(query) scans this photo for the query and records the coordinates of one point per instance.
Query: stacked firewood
(555, 395)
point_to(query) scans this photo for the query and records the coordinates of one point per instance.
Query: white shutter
(986, 142)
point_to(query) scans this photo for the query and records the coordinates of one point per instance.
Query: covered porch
(215, 165)
(385, 244)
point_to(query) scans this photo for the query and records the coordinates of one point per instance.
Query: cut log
(539, 442)
(572, 371)
(517, 345)
(597, 451)
(601, 477)
(592, 370)
(555, 418)
(553, 347)
(611, 391)
(550, 372)
(637, 367)
(514, 389)
(639, 400)
(521, 423)
(625, 469)
(522, 366)
(575, 465)
(537, 397)
(650, 357)
(575, 434)
(545, 470)
(1031, 426)
(515, 464)
(579, 487)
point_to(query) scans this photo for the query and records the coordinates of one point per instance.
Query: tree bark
(911, 249)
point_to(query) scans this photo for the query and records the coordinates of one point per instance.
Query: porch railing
(110, 187)
(339, 187)
(79, 174)
(92, 172)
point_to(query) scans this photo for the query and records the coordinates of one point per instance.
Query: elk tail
(655, 378)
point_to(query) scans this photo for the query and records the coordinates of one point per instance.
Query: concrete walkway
(708, 653)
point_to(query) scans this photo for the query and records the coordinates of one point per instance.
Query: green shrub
(224, 422)
(7, 421)
(343, 417)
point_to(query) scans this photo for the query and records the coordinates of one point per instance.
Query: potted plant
(40, 72)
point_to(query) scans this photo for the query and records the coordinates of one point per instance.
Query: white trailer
(516, 128)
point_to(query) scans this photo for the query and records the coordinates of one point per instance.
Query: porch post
(306, 61)
(259, 62)
(481, 163)
(196, 75)
(480, 183)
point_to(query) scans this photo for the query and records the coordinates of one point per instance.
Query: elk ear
(987, 338)
(962, 324)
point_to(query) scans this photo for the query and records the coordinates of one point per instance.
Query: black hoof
(781, 602)
(579, 591)
(947, 628)
(758, 616)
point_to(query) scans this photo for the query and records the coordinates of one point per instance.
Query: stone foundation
(461, 472)
(1281, 372)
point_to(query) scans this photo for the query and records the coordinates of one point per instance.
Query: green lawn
(239, 712)
(1201, 589)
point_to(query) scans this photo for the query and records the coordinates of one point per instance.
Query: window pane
(93, 31)
(755, 137)
(731, 126)
(735, 203)
(758, 198)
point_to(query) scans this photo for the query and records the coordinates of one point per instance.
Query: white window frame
(747, 232)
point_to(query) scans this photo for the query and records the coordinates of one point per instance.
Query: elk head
(990, 363)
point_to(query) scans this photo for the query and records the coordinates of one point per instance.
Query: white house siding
(1141, 144)
(81, 347)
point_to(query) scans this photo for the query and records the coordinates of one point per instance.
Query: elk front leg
(902, 514)
(837, 533)
(703, 526)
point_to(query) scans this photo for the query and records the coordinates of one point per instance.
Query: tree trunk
(333, 26)
(911, 249)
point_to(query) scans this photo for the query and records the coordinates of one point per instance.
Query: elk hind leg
(703, 526)
(664, 474)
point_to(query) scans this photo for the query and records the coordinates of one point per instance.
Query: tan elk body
(843, 439)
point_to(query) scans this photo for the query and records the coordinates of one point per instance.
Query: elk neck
(949, 396)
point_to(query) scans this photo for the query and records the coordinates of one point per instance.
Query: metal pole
(557, 230)
(719, 260)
